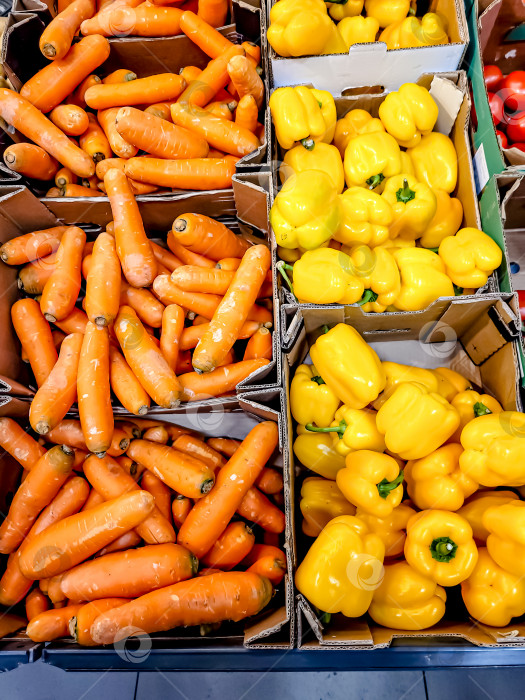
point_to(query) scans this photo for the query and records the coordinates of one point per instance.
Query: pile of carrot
(168, 529)
(167, 131)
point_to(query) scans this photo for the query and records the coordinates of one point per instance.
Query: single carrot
(74, 539)
(54, 592)
(214, 77)
(103, 166)
(32, 161)
(226, 136)
(68, 501)
(210, 516)
(193, 446)
(19, 444)
(245, 79)
(121, 75)
(94, 141)
(176, 431)
(93, 388)
(10, 623)
(192, 278)
(31, 246)
(270, 567)
(144, 19)
(52, 624)
(57, 37)
(125, 385)
(80, 456)
(74, 191)
(120, 146)
(172, 329)
(36, 603)
(80, 625)
(59, 391)
(13, 584)
(183, 362)
(192, 334)
(157, 434)
(51, 85)
(32, 277)
(190, 73)
(231, 547)
(133, 249)
(91, 182)
(102, 299)
(69, 432)
(221, 109)
(110, 480)
(229, 263)
(165, 257)
(259, 346)
(75, 322)
(160, 110)
(65, 177)
(258, 509)
(72, 120)
(29, 121)
(161, 493)
(270, 481)
(197, 387)
(127, 541)
(233, 310)
(147, 307)
(227, 446)
(94, 499)
(253, 51)
(204, 235)
(187, 257)
(155, 88)
(81, 90)
(180, 507)
(214, 12)
(129, 427)
(34, 334)
(36, 491)
(183, 173)
(247, 113)
(61, 290)
(205, 36)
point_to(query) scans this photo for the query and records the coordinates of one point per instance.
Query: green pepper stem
(375, 181)
(458, 291)
(368, 296)
(434, 250)
(405, 194)
(325, 328)
(282, 267)
(443, 549)
(480, 409)
(318, 380)
(308, 144)
(386, 487)
(339, 429)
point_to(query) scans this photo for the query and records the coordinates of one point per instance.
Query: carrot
(247, 113)
(229, 264)
(214, 12)
(10, 624)
(65, 177)
(190, 73)
(121, 75)
(75, 191)
(57, 37)
(187, 257)
(103, 166)
(192, 278)
(183, 174)
(94, 141)
(194, 447)
(226, 136)
(32, 277)
(165, 257)
(94, 499)
(61, 289)
(258, 509)
(176, 431)
(129, 427)
(29, 121)
(157, 136)
(159, 491)
(34, 334)
(186, 475)
(245, 79)
(119, 145)
(93, 388)
(172, 329)
(31, 161)
(260, 551)
(192, 334)
(32, 246)
(80, 625)
(72, 540)
(160, 110)
(155, 88)
(51, 85)
(68, 501)
(13, 584)
(110, 480)
(214, 77)
(81, 90)
(133, 249)
(253, 52)
(270, 481)
(208, 39)
(221, 109)
(36, 603)
(59, 391)
(227, 446)
(157, 434)
(233, 310)
(143, 302)
(127, 541)
(102, 299)
(36, 491)
(75, 322)
(144, 19)
(259, 346)
(197, 387)
(19, 444)
(231, 547)
(125, 385)
(210, 516)
(72, 120)
(51, 624)
(180, 507)
(204, 235)
(183, 362)
(270, 567)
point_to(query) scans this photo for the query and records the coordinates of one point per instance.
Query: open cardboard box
(371, 64)
(477, 337)
(246, 211)
(490, 44)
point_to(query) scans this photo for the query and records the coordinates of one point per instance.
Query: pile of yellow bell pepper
(400, 502)
(367, 213)
(315, 27)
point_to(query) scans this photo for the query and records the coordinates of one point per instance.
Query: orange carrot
(190, 73)
(183, 362)
(183, 174)
(91, 182)
(94, 499)
(61, 290)
(75, 191)
(75, 322)
(103, 282)
(229, 263)
(245, 79)
(121, 75)
(258, 509)
(192, 334)
(232, 595)
(160, 110)
(155, 88)
(57, 37)
(127, 541)
(172, 329)
(231, 547)
(36, 603)
(68, 501)
(247, 113)
(32, 277)
(119, 145)
(210, 516)
(204, 235)
(180, 507)
(165, 257)
(31, 246)
(136, 256)
(13, 584)
(157, 434)
(221, 109)
(34, 333)
(143, 302)
(80, 92)
(94, 141)
(71, 119)
(126, 386)
(187, 257)
(103, 166)
(259, 346)
(197, 387)
(160, 492)
(226, 136)
(51, 624)
(22, 115)
(252, 51)
(142, 19)
(214, 77)
(194, 447)
(269, 481)
(32, 161)
(59, 391)
(51, 85)
(19, 444)
(80, 625)
(270, 567)
(227, 446)
(214, 12)
(9, 624)
(208, 39)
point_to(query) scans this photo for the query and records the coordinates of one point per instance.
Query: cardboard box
(491, 42)
(371, 64)
(476, 337)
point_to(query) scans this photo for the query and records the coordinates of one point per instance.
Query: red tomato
(493, 77)
(496, 108)
(516, 127)
(519, 146)
(513, 90)
(503, 141)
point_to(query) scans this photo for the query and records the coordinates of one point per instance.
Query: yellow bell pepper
(470, 257)
(406, 164)
(326, 276)
(474, 510)
(365, 218)
(302, 114)
(340, 10)
(453, 381)
(349, 366)
(390, 529)
(316, 452)
(311, 400)
(408, 113)
(303, 28)
(506, 541)
(492, 595)
(407, 600)
(415, 422)
(435, 161)
(358, 30)
(353, 429)
(342, 567)
(436, 481)
(354, 123)
(321, 501)
(323, 157)
(370, 158)
(495, 449)
(413, 203)
(387, 11)
(412, 32)
(446, 222)
(423, 279)
(397, 374)
(377, 269)
(371, 481)
(306, 212)
(440, 546)
(470, 404)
